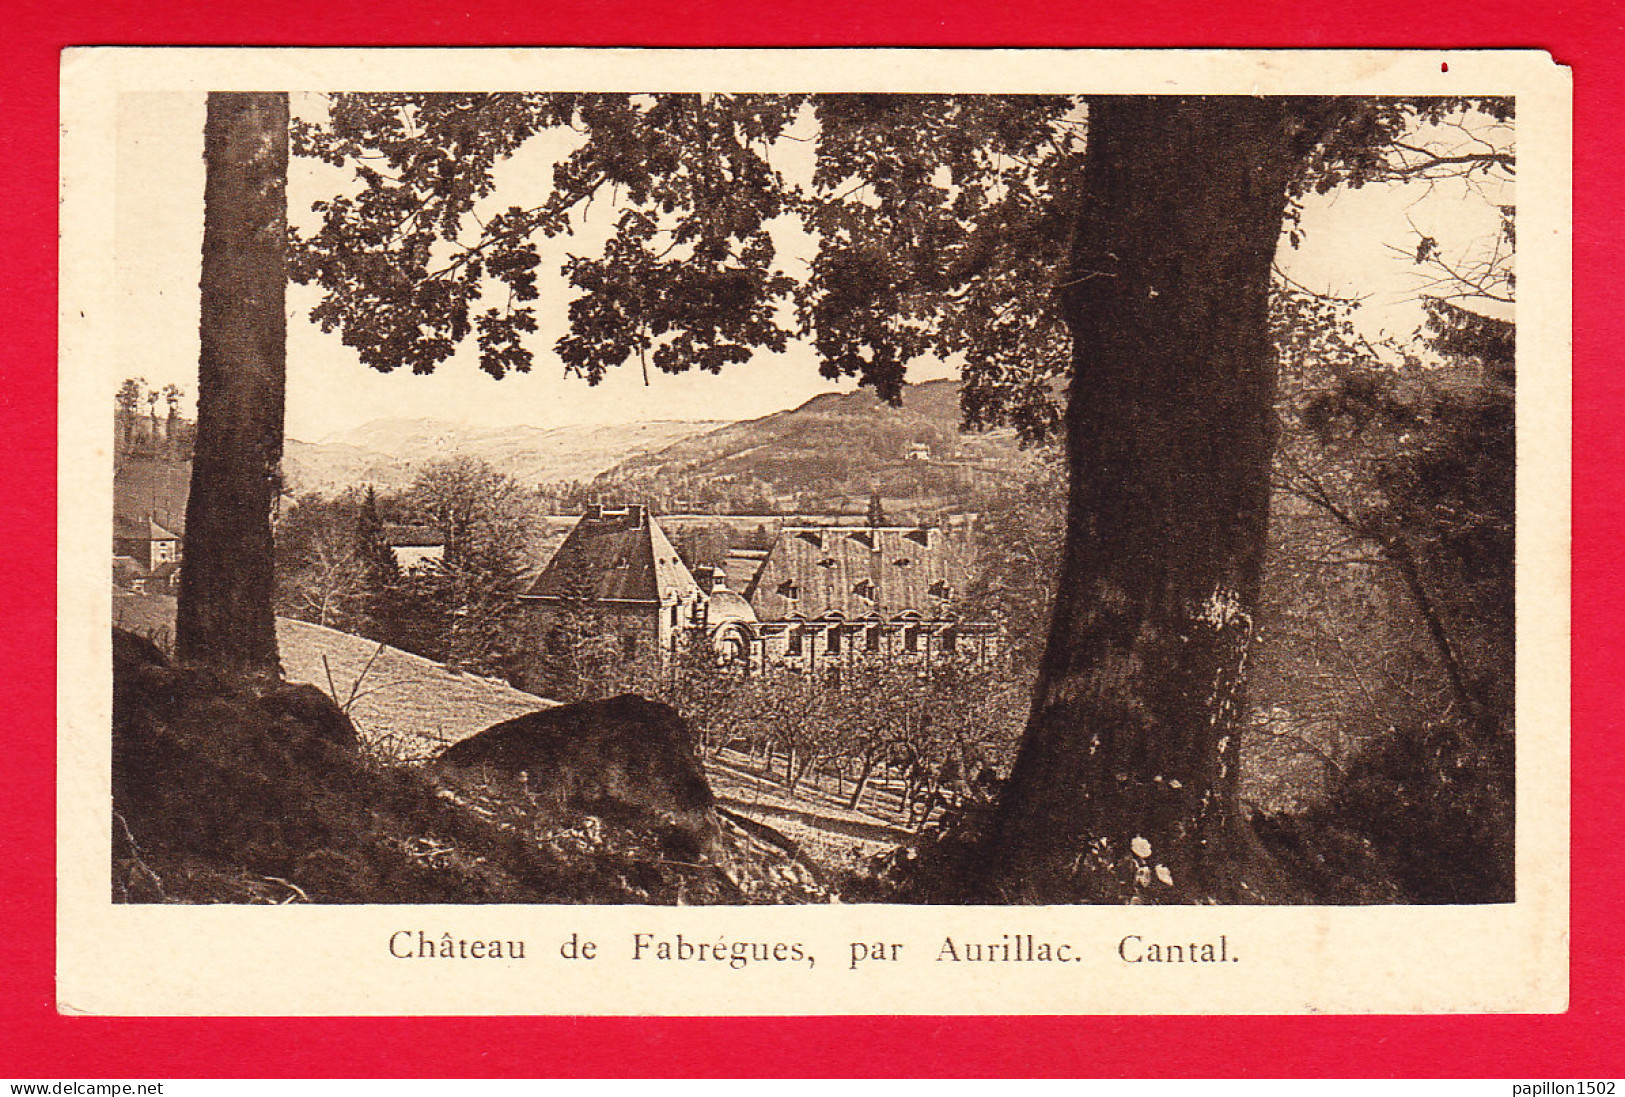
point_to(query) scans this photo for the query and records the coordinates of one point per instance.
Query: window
(832, 641)
(730, 646)
(792, 645)
(911, 640)
(629, 645)
(950, 640)
(871, 638)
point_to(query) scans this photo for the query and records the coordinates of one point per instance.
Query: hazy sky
(159, 242)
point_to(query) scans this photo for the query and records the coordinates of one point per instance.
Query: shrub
(1424, 814)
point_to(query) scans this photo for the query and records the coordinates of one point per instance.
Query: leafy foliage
(943, 226)
(1411, 451)
(461, 609)
(1019, 555)
(1425, 814)
(322, 576)
(1406, 454)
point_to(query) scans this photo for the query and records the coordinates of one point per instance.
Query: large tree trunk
(1134, 733)
(224, 617)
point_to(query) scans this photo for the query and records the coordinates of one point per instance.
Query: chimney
(638, 513)
(592, 511)
(705, 577)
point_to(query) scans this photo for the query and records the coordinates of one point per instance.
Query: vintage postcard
(813, 532)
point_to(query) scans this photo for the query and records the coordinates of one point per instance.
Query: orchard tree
(1131, 268)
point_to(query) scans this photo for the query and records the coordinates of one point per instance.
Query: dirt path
(813, 818)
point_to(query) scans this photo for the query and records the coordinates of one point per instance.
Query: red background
(36, 1042)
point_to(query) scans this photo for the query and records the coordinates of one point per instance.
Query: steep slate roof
(858, 572)
(140, 529)
(741, 566)
(615, 555)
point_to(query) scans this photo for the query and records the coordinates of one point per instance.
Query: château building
(617, 575)
(821, 597)
(829, 595)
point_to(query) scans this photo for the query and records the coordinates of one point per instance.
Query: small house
(145, 541)
(415, 547)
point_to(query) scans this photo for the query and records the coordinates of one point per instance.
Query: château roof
(859, 572)
(615, 555)
(741, 566)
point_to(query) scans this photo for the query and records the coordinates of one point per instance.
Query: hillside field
(409, 708)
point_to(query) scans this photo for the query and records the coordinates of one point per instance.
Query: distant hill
(387, 453)
(824, 456)
(328, 468)
(832, 451)
(393, 449)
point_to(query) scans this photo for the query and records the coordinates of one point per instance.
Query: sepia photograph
(878, 499)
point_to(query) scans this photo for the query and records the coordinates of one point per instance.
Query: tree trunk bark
(224, 618)
(1134, 733)
(862, 784)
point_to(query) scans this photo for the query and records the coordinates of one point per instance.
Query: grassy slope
(408, 708)
(405, 705)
